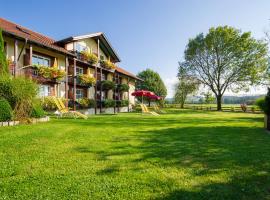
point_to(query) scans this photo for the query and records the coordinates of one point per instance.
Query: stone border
(43, 119)
(9, 123)
(34, 121)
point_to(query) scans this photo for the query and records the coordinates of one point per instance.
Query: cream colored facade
(59, 61)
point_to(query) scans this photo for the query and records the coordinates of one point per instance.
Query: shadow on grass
(205, 151)
(248, 187)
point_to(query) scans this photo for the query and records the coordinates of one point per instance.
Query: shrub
(87, 103)
(261, 104)
(48, 105)
(92, 103)
(108, 103)
(253, 108)
(244, 107)
(123, 103)
(107, 85)
(37, 111)
(6, 113)
(161, 103)
(123, 87)
(20, 93)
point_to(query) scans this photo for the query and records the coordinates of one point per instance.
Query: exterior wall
(69, 46)
(91, 44)
(124, 94)
(57, 90)
(131, 89)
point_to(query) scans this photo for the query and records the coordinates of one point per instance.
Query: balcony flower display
(50, 72)
(89, 57)
(87, 79)
(107, 64)
(107, 85)
(123, 87)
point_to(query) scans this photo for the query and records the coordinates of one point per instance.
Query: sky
(145, 33)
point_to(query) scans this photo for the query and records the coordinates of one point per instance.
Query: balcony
(49, 75)
(85, 57)
(83, 80)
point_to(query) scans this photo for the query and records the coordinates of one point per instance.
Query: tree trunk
(219, 97)
(267, 122)
(182, 105)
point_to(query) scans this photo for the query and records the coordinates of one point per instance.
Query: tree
(186, 85)
(3, 59)
(208, 97)
(152, 82)
(226, 59)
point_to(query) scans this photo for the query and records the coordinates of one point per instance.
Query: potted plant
(57, 73)
(87, 79)
(107, 85)
(50, 72)
(89, 57)
(123, 87)
(264, 105)
(107, 64)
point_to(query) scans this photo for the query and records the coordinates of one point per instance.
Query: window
(79, 47)
(79, 70)
(40, 60)
(44, 90)
(102, 57)
(103, 77)
(79, 94)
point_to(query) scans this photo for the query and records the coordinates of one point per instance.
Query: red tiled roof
(19, 31)
(22, 32)
(122, 71)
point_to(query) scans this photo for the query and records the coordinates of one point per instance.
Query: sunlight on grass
(180, 155)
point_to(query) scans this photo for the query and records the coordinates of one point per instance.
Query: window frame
(81, 93)
(79, 69)
(41, 58)
(42, 93)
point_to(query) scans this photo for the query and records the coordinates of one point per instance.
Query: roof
(122, 71)
(105, 44)
(21, 32)
(34, 37)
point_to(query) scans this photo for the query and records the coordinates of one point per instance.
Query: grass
(180, 155)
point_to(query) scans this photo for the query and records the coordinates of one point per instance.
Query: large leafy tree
(225, 58)
(3, 60)
(187, 84)
(152, 82)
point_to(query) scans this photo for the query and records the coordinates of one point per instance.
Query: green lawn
(180, 155)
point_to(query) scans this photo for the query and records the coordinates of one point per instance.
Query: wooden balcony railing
(32, 72)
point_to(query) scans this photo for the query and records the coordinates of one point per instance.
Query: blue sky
(145, 33)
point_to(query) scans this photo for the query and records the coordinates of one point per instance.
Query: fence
(250, 109)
